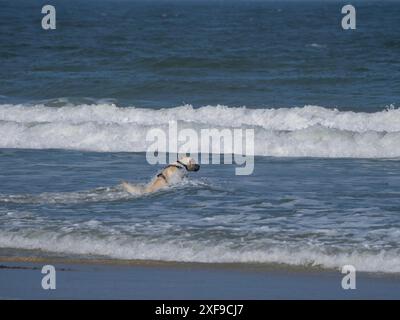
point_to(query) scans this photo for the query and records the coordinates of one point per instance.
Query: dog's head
(189, 164)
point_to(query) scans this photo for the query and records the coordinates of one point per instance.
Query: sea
(77, 102)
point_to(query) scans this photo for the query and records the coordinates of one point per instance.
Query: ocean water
(76, 104)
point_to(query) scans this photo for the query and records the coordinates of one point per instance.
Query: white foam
(96, 195)
(310, 131)
(122, 247)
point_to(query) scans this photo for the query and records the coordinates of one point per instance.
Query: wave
(316, 45)
(102, 194)
(125, 248)
(96, 195)
(310, 131)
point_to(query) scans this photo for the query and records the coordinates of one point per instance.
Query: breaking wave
(126, 248)
(310, 131)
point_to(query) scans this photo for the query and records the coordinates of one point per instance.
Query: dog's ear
(185, 160)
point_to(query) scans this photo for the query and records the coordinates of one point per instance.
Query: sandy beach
(152, 280)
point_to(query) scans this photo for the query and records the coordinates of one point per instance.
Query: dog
(172, 173)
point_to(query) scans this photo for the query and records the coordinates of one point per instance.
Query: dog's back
(171, 174)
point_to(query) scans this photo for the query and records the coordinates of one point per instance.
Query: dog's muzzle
(194, 167)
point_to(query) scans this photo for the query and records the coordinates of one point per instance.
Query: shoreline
(251, 267)
(233, 266)
(165, 281)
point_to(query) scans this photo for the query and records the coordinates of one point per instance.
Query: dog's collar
(182, 164)
(176, 166)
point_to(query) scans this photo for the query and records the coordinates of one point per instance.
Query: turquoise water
(76, 104)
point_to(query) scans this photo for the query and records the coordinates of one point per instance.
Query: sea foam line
(311, 131)
(119, 247)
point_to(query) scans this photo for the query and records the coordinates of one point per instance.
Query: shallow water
(291, 210)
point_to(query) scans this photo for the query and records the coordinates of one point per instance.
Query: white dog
(170, 174)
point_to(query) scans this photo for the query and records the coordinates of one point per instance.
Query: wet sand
(152, 280)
